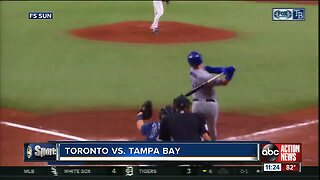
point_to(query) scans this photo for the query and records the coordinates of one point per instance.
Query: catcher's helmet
(164, 112)
(181, 102)
(194, 58)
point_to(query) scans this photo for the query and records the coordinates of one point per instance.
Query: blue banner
(160, 151)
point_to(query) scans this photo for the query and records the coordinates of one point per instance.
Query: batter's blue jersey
(151, 131)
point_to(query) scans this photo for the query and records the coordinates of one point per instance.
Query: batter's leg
(210, 111)
(213, 118)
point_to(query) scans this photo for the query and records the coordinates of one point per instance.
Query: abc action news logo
(281, 152)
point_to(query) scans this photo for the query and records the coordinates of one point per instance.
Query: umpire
(183, 125)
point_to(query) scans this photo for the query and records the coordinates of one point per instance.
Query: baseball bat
(203, 84)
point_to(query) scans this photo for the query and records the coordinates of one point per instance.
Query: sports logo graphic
(29, 152)
(288, 14)
(281, 152)
(270, 152)
(54, 171)
(282, 14)
(39, 151)
(129, 171)
(40, 15)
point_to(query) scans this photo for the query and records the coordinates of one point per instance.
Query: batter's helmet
(181, 102)
(194, 58)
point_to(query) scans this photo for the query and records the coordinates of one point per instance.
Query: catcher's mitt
(146, 110)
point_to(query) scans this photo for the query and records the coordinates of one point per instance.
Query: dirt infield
(19, 127)
(139, 32)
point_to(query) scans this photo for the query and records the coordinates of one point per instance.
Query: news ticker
(186, 170)
(68, 151)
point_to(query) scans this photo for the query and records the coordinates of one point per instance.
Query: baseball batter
(205, 100)
(158, 12)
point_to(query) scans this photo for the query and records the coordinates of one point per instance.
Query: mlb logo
(298, 14)
(288, 14)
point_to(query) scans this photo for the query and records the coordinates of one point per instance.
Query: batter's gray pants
(210, 110)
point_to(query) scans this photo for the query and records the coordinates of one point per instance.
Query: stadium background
(56, 86)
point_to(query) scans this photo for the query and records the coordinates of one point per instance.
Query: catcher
(150, 130)
(177, 122)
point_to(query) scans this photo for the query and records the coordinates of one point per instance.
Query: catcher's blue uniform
(151, 131)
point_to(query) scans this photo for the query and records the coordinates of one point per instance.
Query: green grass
(43, 68)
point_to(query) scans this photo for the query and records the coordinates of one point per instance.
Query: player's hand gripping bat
(203, 84)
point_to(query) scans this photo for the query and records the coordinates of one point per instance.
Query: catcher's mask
(164, 112)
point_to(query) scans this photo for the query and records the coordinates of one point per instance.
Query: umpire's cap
(181, 102)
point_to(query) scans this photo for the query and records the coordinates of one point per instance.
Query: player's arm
(228, 71)
(217, 82)
(140, 121)
(144, 113)
(213, 69)
(144, 127)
